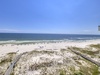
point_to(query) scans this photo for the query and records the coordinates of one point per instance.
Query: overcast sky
(50, 16)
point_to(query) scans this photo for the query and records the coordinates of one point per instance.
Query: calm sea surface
(24, 36)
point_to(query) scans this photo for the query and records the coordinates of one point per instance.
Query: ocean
(30, 36)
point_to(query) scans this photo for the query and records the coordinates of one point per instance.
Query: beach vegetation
(71, 64)
(62, 72)
(12, 73)
(78, 62)
(42, 52)
(11, 53)
(63, 50)
(85, 50)
(38, 66)
(5, 60)
(97, 46)
(78, 73)
(72, 68)
(90, 68)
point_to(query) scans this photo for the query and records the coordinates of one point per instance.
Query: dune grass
(7, 58)
(97, 46)
(38, 66)
(85, 50)
(62, 72)
(78, 73)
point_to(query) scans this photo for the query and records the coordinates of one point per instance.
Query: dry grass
(35, 52)
(97, 46)
(51, 67)
(62, 72)
(7, 58)
(85, 50)
(38, 66)
(5, 62)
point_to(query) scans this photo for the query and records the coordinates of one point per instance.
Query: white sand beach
(50, 57)
(7, 48)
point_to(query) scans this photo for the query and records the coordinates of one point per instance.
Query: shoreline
(44, 41)
(46, 45)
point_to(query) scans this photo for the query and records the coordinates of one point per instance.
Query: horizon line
(46, 33)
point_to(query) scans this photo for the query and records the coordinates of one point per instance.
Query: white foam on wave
(42, 41)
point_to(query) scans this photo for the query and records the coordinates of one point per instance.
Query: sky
(50, 16)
